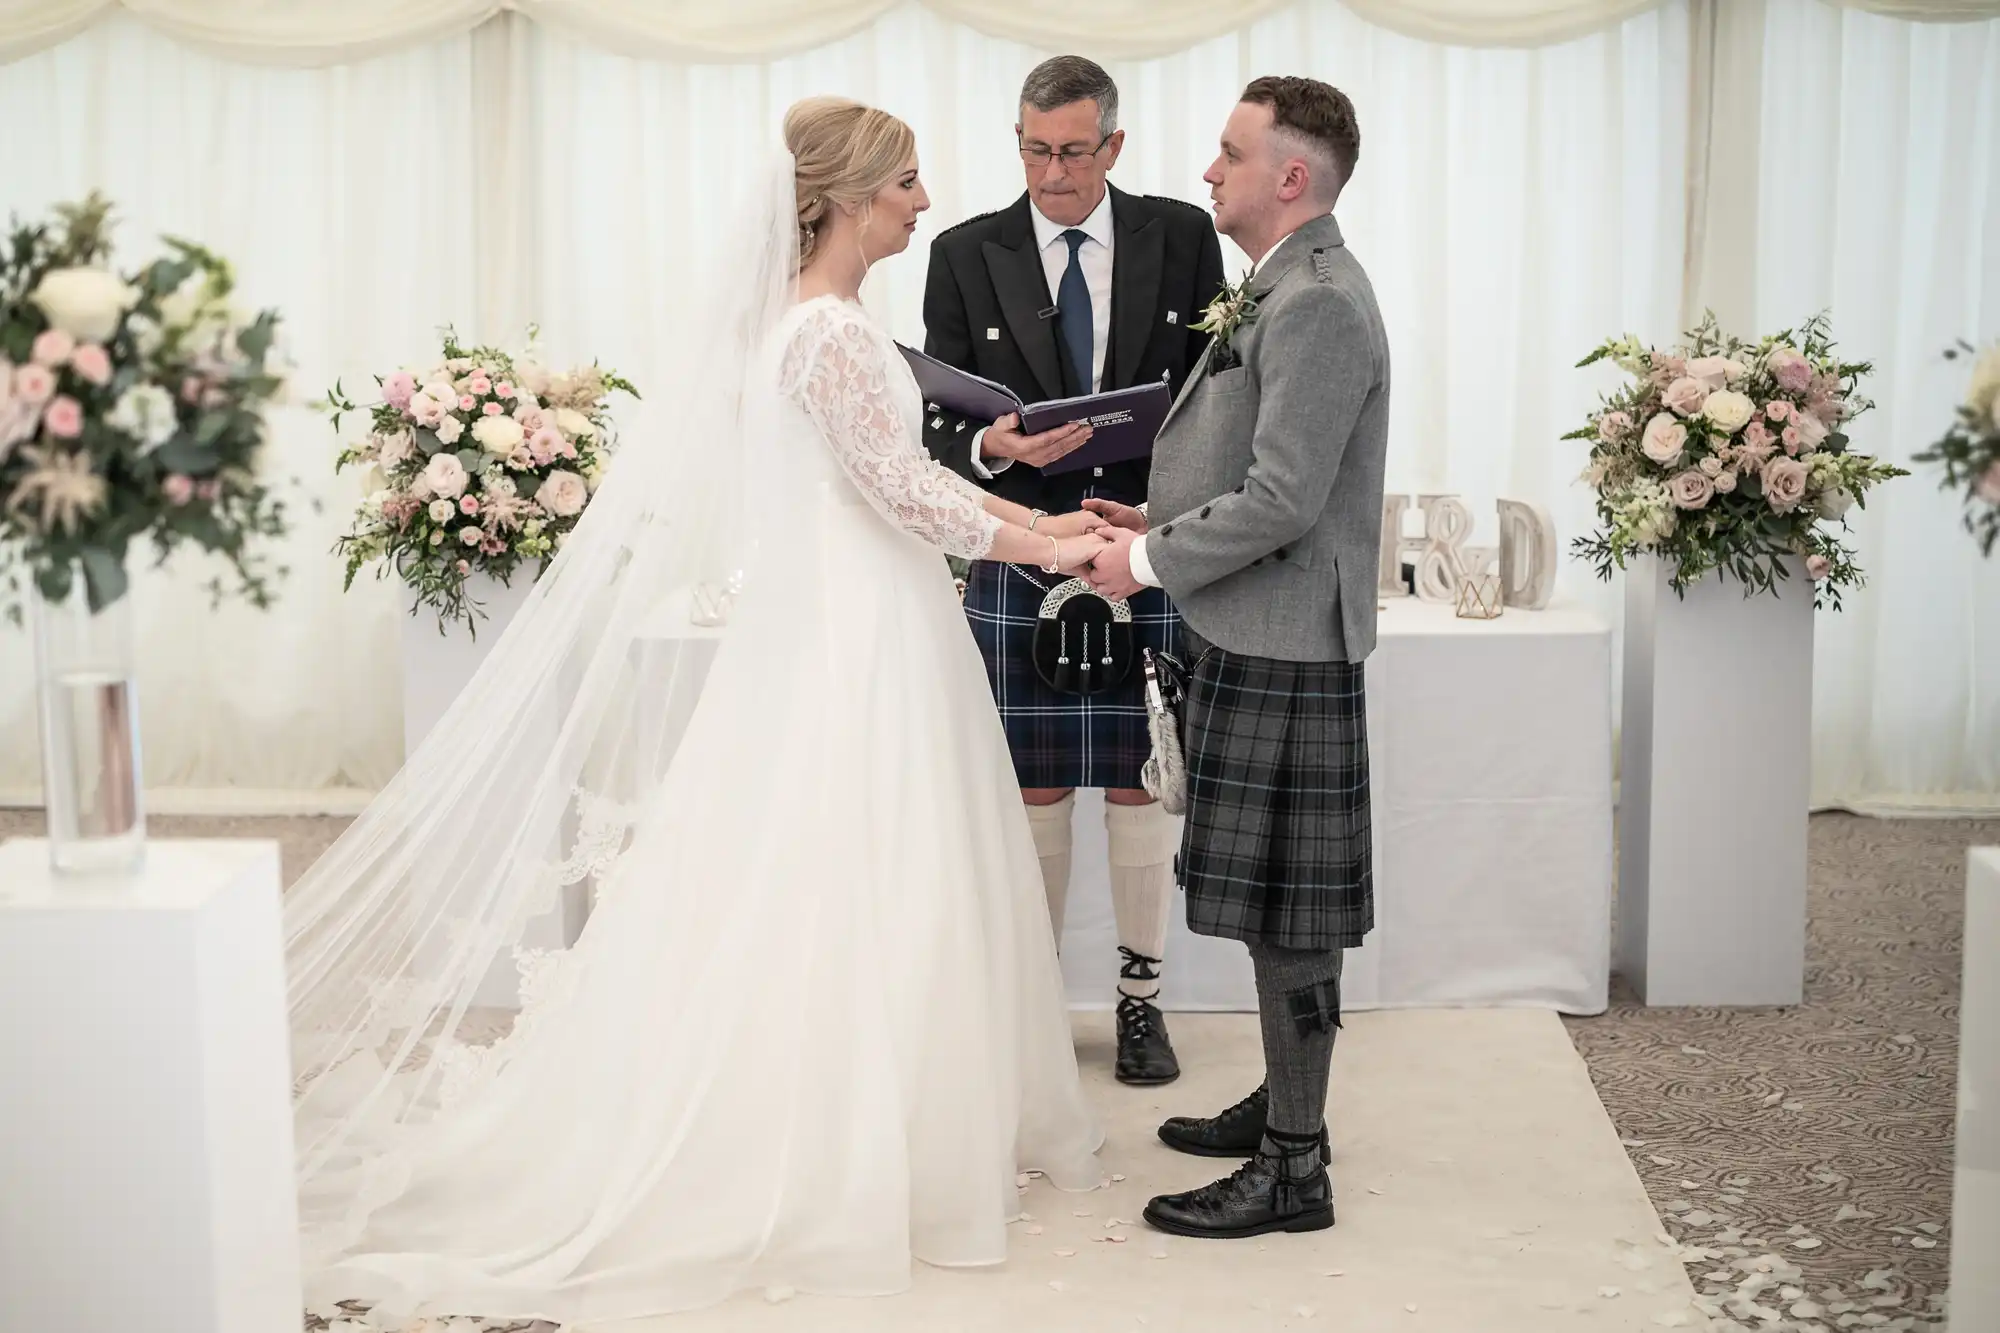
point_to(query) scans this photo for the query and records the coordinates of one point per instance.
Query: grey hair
(1062, 80)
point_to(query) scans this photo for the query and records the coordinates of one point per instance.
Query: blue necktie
(1073, 314)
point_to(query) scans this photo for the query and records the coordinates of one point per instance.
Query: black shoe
(1263, 1195)
(1237, 1132)
(1145, 1052)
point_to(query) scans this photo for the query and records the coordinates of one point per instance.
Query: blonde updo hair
(846, 153)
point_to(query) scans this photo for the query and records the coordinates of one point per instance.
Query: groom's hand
(1003, 439)
(1111, 568)
(1117, 515)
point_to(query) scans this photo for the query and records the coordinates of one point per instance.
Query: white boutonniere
(1227, 313)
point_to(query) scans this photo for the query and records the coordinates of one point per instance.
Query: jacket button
(1167, 531)
(1205, 509)
(1239, 487)
(1281, 553)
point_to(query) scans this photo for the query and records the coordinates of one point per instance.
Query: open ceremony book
(1123, 421)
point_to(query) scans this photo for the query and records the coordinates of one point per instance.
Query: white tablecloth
(1490, 756)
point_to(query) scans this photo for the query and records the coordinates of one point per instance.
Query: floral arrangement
(477, 465)
(1731, 456)
(130, 407)
(1970, 450)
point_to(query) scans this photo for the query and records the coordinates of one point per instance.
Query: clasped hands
(1099, 545)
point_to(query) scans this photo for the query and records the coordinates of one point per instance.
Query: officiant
(1075, 288)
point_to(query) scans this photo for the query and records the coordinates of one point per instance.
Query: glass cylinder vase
(89, 706)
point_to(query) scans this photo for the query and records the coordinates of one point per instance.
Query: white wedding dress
(814, 1025)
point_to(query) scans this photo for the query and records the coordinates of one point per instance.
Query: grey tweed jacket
(1266, 502)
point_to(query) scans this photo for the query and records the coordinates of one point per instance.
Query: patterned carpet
(1755, 1131)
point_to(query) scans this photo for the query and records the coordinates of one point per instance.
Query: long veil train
(530, 782)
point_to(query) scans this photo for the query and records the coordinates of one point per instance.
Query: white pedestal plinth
(1716, 785)
(145, 1096)
(437, 667)
(1975, 1208)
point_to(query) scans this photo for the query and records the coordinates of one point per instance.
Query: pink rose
(1988, 485)
(1784, 484)
(34, 384)
(51, 348)
(1714, 371)
(1613, 427)
(568, 449)
(1777, 409)
(64, 417)
(1711, 468)
(92, 363)
(1811, 430)
(464, 567)
(426, 410)
(398, 389)
(544, 444)
(1756, 435)
(532, 419)
(178, 489)
(1792, 371)
(1692, 489)
(1664, 440)
(563, 494)
(1791, 439)
(1686, 396)
(492, 409)
(467, 403)
(1725, 483)
(468, 504)
(504, 389)
(1818, 566)
(480, 385)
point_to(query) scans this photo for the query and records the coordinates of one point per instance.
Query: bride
(814, 1025)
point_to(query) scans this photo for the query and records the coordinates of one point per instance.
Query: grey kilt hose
(1277, 848)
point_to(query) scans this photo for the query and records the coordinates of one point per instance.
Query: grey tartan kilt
(1277, 848)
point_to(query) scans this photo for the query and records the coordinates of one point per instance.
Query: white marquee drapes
(1514, 206)
(326, 32)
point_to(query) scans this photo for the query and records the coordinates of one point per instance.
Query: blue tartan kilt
(1062, 740)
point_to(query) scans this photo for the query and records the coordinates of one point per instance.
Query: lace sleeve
(836, 370)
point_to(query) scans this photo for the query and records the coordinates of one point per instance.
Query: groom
(1267, 484)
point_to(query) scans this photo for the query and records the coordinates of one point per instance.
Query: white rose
(146, 413)
(396, 448)
(85, 303)
(449, 429)
(1834, 503)
(441, 511)
(445, 476)
(1728, 411)
(1664, 440)
(499, 436)
(563, 494)
(574, 424)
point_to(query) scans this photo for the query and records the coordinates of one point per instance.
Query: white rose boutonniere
(1233, 310)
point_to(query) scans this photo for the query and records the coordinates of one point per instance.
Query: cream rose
(1711, 468)
(85, 303)
(1664, 440)
(1784, 484)
(1728, 411)
(449, 429)
(1714, 372)
(1691, 489)
(1812, 431)
(563, 494)
(1725, 483)
(442, 510)
(574, 424)
(1686, 396)
(1834, 502)
(446, 476)
(499, 436)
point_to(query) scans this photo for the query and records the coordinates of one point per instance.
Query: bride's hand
(1069, 525)
(1074, 554)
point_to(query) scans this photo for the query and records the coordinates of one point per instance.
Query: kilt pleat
(1277, 847)
(1061, 740)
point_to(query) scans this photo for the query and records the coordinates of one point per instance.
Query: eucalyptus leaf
(185, 455)
(104, 579)
(428, 441)
(472, 459)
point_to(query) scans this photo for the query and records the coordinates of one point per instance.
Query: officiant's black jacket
(988, 309)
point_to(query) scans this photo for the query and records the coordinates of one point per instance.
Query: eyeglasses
(1038, 155)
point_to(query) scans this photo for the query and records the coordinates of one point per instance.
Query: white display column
(1716, 783)
(146, 1154)
(436, 669)
(1975, 1206)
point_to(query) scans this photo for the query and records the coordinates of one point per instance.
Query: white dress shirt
(1142, 568)
(1095, 257)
